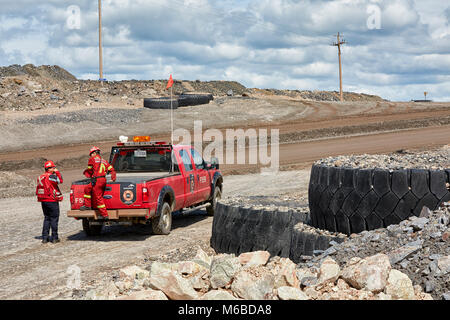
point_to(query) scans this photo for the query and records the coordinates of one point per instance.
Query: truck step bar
(112, 214)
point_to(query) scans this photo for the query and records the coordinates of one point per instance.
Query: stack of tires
(191, 99)
(285, 234)
(160, 103)
(351, 200)
(183, 100)
(239, 229)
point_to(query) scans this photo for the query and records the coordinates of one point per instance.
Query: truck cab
(154, 179)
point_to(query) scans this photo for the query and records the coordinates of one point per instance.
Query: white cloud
(261, 43)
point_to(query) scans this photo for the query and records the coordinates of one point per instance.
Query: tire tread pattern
(351, 200)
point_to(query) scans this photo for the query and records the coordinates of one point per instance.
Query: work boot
(104, 218)
(84, 208)
(56, 240)
(45, 240)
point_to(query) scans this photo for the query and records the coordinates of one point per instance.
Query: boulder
(399, 286)
(218, 295)
(443, 264)
(401, 253)
(255, 258)
(329, 271)
(202, 258)
(285, 273)
(190, 267)
(419, 223)
(124, 285)
(370, 273)
(223, 268)
(304, 273)
(133, 272)
(253, 284)
(173, 285)
(145, 295)
(290, 293)
(311, 293)
(157, 267)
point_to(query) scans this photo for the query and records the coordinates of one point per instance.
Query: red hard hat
(49, 164)
(94, 149)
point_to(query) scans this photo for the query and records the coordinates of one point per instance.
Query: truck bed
(134, 177)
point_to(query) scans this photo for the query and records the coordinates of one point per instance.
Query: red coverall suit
(97, 170)
(49, 195)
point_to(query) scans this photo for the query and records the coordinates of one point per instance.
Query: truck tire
(91, 230)
(216, 197)
(187, 99)
(351, 200)
(163, 223)
(160, 103)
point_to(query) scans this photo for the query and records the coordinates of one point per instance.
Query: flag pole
(171, 123)
(171, 117)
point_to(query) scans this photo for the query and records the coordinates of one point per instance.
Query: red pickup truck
(153, 180)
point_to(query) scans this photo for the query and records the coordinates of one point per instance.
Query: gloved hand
(93, 181)
(113, 176)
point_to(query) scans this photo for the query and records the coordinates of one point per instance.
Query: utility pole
(100, 53)
(338, 44)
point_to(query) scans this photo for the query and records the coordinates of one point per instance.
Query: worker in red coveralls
(97, 170)
(49, 195)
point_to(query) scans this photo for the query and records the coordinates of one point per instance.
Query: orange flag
(170, 83)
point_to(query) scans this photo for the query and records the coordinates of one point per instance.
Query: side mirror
(215, 163)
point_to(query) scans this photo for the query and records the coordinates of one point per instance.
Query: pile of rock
(317, 95)
(256, 276)
(418, 247)
(432, 159)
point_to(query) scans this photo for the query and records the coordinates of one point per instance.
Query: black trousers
(51, 218)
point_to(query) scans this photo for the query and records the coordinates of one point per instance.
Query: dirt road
(31, 270)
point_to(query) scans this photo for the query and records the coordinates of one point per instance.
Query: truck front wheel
(163, 223)
(216, 197)
(91, 230)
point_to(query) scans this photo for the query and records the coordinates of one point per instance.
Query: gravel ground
(432, 159)
(111, 116)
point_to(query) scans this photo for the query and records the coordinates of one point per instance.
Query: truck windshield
(141, 159)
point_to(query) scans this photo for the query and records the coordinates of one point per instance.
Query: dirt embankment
(33, 88)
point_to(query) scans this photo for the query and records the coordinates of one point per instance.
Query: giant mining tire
(351, 200)
(238, 229)
(160, 103)
(187, 99)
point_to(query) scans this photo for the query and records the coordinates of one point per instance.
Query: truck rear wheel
(91, 230)
(216, 197)
(163, 223)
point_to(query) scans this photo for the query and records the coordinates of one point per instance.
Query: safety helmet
(49, 164)
(94, 149)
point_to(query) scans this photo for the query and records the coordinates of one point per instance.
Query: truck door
(202, 177)
(189, 178)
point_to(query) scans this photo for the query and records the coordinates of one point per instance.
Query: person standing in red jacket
(97, 170)
(49, 195)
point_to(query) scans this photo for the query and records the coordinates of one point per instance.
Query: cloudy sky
(395, 48)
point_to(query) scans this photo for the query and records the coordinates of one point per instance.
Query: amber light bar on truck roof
(139, 141)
